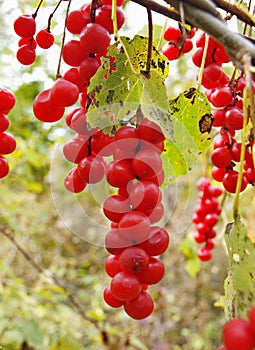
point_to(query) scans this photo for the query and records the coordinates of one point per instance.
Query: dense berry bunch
(227, 98)
(7, 141)
(206, 217)
(83, 55)
(25, 28)
(134, 244)
(239, 333)
(136, 173)
(177, 43)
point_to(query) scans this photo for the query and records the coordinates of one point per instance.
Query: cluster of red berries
(134, 244)
(239, 333)
(136, 172)
(84, 57)
(25, 27)
(213, 76)
(177, 44)
(206, 216)
(227, 98)
(7, 141)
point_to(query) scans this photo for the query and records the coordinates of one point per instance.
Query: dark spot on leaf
(205, 123)
(190, 93)
(109, 97)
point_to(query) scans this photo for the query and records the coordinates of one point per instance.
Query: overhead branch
(156, 7)
(236, 11)
(204, 15)
(236, 45)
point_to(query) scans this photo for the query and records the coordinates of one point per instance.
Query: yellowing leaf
(241, 280)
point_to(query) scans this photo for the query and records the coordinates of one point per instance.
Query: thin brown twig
(234, 10)
(63, 41)
(37, 9)
(72, 299)
(52, 14)
(150, 41)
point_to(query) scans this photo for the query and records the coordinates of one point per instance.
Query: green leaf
(157, 33)
(117, 87)
(188, 248)
(33, 334)
(187, 129)
(65, 344)
(240, 283)
(137, 343)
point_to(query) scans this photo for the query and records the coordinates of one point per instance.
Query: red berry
(104, 15)
(4, 167)
(95, 39)
(157, 242)
(221, 157)
(77, 21)
(92, 169)
(25, 26)
(133, 259)
(141, 307)
(115, 207)
(204, 254)
(172, 34)
(26, 55)
(238, 334)
(230, 181)
(171, 51)
(4, 122)
(112, 265)
(64, 93)
(73, 182)
(45, 39)
(120, 172)
(134, 226)
(125, 286)
(44, 108)
(7, 99)
(110, 299)
(7, 143)
(153, 273)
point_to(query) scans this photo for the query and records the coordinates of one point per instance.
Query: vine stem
(37, 9)
(242, 156)
(201, 70)
(161, 38)
(52, 14)
(114, 19)
(63, 40)
(49, 275)
(150, 42)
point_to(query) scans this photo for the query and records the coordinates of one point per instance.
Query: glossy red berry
(45, 39)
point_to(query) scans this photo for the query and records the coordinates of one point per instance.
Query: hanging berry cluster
(177, 43)
(83, 55)
(133, 242)
(136, 172)
(206, 217)
(7, 141)
(227, 98)
(25, 27)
